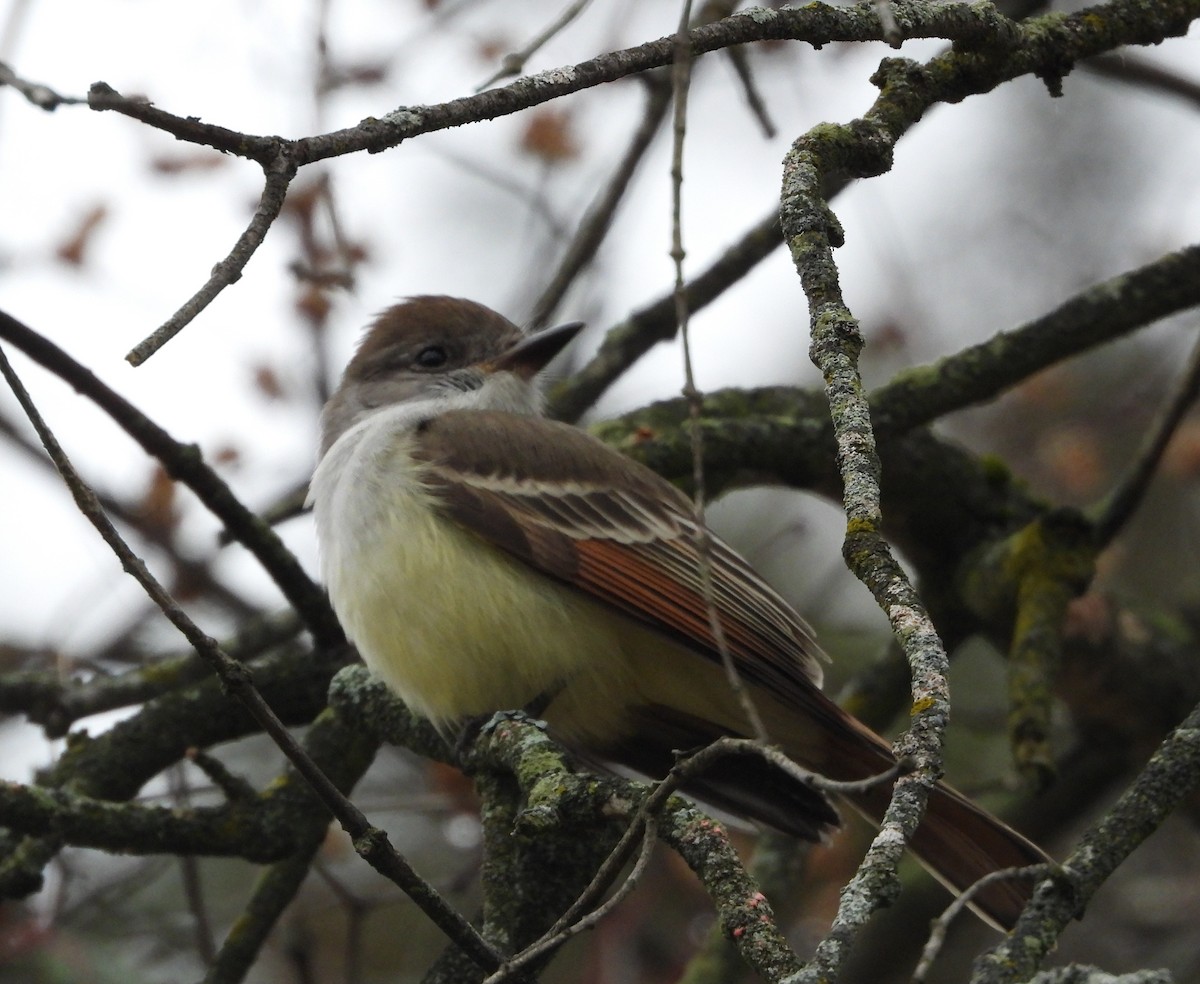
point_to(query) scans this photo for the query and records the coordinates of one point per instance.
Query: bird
(483, 557)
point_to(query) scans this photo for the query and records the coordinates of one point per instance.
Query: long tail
(958, 842)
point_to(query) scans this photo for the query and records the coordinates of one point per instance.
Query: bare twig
(504, 180)
(344, 275)
(1171, 775)
(596, 223)
(193, 889)
(741, 65)
(357, 910)
(514, 62)
(627, 342)
(710, 13)
(578, 918)
(42, 96)
(846, 787)
(184, 462)
(235, 788)
(680, 81)
(279, 173)
(1101, 313)
(1111, 515)
(1132, 70)
(941, 925)
(102, 97)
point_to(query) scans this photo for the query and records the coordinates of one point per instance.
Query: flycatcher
(481, 557)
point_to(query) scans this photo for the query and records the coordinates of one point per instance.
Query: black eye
(431, 357)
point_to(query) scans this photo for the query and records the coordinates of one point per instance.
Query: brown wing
(575, 509)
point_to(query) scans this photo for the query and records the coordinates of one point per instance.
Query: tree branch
(279, 172)
(184, 462)
(979, 373)
(625, 343)
(1171, 775)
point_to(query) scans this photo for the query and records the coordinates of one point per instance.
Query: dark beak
(533, 353)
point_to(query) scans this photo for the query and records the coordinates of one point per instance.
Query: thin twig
(624, 344)
(279, 173)
(42, 96)
(839, 787)
(103, 97)
(741, 66)
(1114, 512)
(1100, 313)
(184, 463)
(196, 572)
(644, 826)
(941, 925)
(344, 277)
(235, 788)
(193, 889)
(598, 219)
(680, 79)
(700, 761)
(577, 919)
(887, 20)
(514, 62)
(357, 910)
(1136, 71)
(503, 180)
(371, 842)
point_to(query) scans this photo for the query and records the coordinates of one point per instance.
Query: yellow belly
(457, 627)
